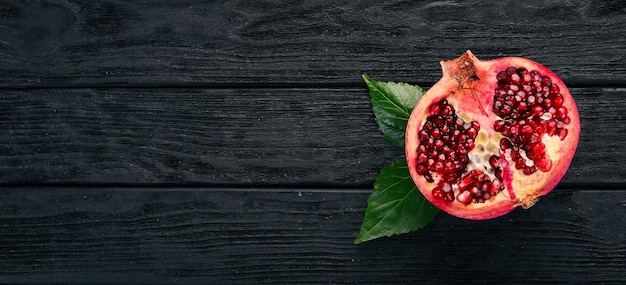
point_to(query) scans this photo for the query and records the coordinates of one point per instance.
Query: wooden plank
(304, 137)
(159, 235)
(209, 43)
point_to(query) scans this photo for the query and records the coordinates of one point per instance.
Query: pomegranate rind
(468, 84)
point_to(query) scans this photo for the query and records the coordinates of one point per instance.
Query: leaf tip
(366, 77)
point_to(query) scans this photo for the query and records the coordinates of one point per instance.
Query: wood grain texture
(257, 236)
(306, 137)
(130, 43)
(232, 142)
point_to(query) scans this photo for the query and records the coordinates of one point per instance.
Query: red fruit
(508, 129)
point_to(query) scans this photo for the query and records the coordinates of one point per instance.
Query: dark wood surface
(233, 142)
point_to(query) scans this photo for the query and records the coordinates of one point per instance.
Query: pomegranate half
(490, 136)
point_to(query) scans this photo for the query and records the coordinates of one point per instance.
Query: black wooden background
(180, 141)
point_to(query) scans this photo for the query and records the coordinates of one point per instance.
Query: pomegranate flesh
(490, 136)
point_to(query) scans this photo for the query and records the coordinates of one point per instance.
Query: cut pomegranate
(491, 136)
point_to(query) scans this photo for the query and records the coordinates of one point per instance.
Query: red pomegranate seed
(494, 188)
(434, 110)
(466, 182)
(566, 120)
(528, 170)
(526, 129)
(475, 191)
(502, 76)
(554, 89)
(498, 173)
(498, 125)
(544, 164)
(446, 187)
(422, 169)
(510, 70)
(558, 100)
(484, 187)
(493, 161)
(505, 144)
(437, 193)
(448, 197)
(562, 133)
(551, 130)
(429, 178)
(464, 197)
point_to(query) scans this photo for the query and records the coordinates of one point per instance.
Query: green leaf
(395, 206)
(392, 104)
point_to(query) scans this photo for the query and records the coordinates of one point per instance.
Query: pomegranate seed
(445, 129)
(528, 170)
(475, 191)
(448, 197)
(422, 158)
(537, 110)
(526, 78)
(511, 70)
(494, 188)
(434, 110)
(540, 129)
(438, 167)
(544, 164)
(428, 125)
(472, 133)
(497, 126)
(557, 101)
(436, 133)
(505, 144)
(552, 111)
(526, 129)
(515, 78)
(494, 161)
(519, 164)
(423, 135)
(522, 106)
(429, 178)
(446, 187)
(437, 193)
(561, 112)
(535, 138)
(515, 155)
(551, 129)
(554, 89)
(478, 175)
(546, 81)
(422, 169)
(466, 182)
(537, 150)
(566, 120)
(498, 173)
(484, 187)
(505, 110)
(438, 144)
(502, 76)
(464, 197)
(562, 133)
